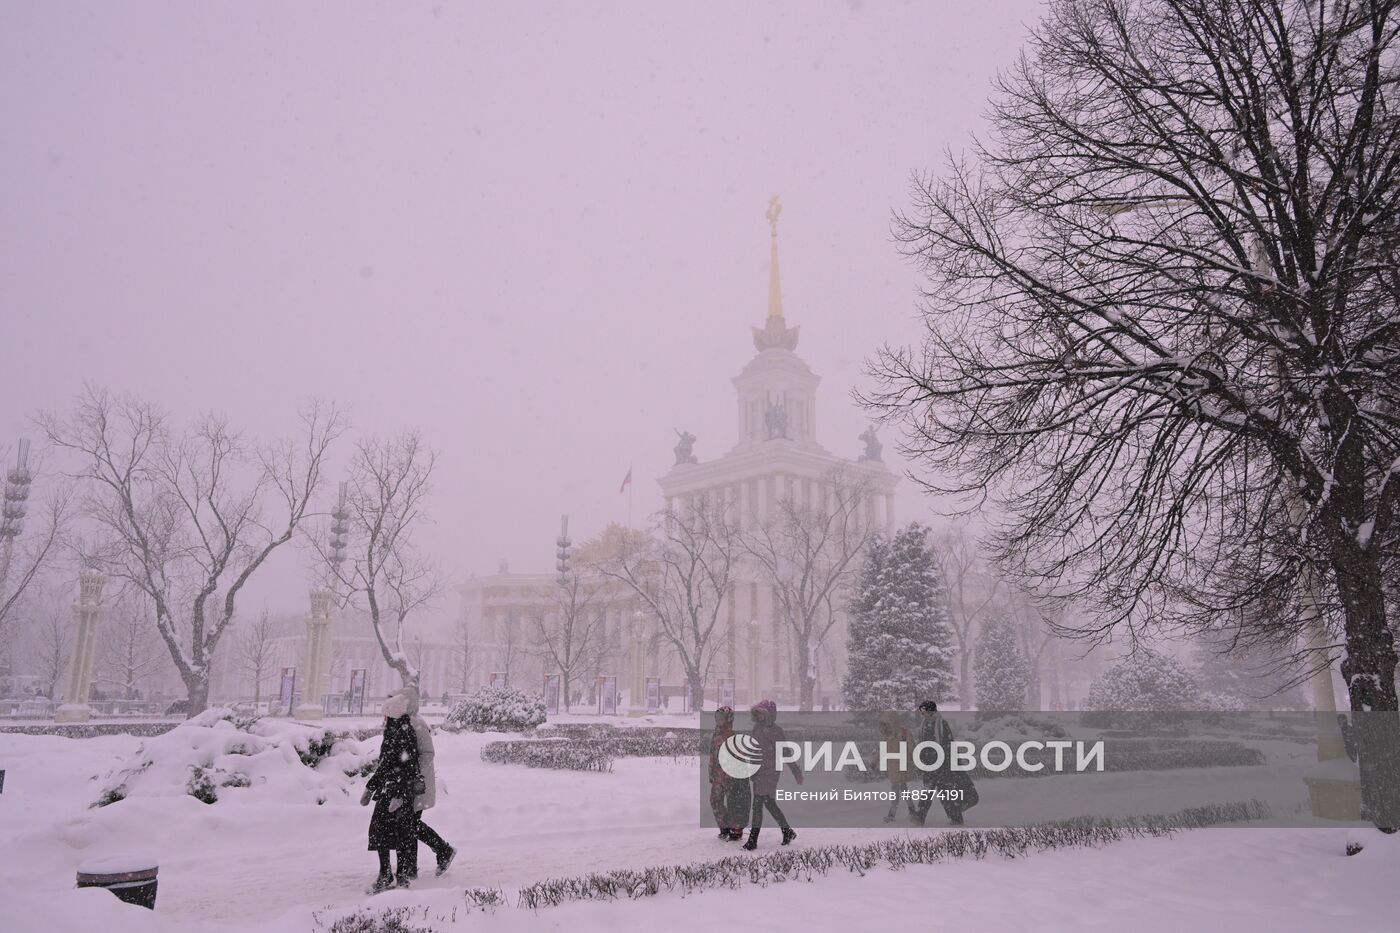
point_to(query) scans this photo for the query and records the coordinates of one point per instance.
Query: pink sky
(533, 231)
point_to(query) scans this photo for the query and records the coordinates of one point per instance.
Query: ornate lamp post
(318, 620)
(87, 612)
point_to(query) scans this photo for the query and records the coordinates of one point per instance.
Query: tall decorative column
(317, 661)
(639, 663)
(87, 612)
(317, 656)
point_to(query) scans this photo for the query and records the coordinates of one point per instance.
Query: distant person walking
(426, 758)
(952, 788)
(730, 798)
(895, 735)
(767, 733)
(393, 786)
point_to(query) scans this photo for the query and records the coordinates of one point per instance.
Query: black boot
(444, 861)
(753, 840)
(789, 834)
(383, 883)
(723, 832)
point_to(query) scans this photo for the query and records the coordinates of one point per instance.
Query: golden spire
(775, 293)
(774, 334)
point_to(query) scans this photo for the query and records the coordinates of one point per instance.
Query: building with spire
(777, 456)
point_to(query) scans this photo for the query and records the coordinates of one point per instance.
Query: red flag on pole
(626, 481)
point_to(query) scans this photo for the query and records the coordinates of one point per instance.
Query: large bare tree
(187, 516)
(1162, 328)
(385, 573)
(810, 553)
(680, 574)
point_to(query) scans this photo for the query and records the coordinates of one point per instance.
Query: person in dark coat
(954, 788)
(767, 733)
(396, 781)
(426, 757)
(729, 796)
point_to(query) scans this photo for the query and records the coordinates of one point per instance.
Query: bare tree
(187, 517)
(1162, 318)
(570, 639)
(257, 651)
(463, 656)
(974, 590)
(809, 553)
(680, 574)
(50, 636)
(386, 574)
(129, 651)
(508, 645)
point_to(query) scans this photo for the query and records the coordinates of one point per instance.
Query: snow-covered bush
(900, 640)
(1144, 682)
(496, 709)
(214, 753)
(1000, 667)
(1013, 727)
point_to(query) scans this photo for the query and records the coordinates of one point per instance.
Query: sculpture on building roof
(873, 447)
(776, 418)
(685, 448)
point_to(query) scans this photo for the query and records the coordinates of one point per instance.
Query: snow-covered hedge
(496, 709)
(216, 754)
(805, 862)
(88, 730)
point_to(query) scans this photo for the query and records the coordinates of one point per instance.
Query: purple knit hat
(769, 706)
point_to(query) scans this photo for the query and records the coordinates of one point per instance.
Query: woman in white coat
(444, 852)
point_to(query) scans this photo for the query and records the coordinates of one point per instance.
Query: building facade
(776, 458)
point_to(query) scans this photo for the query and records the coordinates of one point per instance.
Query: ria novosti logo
(740, 756)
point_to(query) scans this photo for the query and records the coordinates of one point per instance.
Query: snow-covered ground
(264, 862)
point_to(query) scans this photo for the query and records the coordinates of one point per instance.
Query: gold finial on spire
(775, 293)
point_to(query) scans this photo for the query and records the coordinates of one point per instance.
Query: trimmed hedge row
(88, 730)
(804, 863)
(1119, 755)
(595, 748)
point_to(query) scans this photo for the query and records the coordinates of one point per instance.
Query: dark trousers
(761, 801)
(429, 836)
(952, 807)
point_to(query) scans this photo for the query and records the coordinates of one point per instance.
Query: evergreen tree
(900, 640)
(1143, 681)
(1001, 668)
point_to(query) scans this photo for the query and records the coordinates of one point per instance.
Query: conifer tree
(900, 639)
